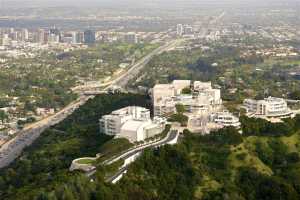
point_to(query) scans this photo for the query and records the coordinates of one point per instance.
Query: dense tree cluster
(261, 127)
(258, 186)
(164, 174)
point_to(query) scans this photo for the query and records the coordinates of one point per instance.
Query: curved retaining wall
(83, 167)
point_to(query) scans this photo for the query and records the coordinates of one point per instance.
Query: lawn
(86, 161)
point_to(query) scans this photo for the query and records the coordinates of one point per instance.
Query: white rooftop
(133, 125)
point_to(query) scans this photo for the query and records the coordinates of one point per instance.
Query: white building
(131, 38)
(179, 29)
(225, 119)
(202, 100)
(133, 123)
(270, 107)
(188, 30)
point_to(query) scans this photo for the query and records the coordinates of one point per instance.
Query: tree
(186, 90)
(180, 108)
(3, 116)
(182, 119)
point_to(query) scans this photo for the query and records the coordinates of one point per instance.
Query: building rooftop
(134, 125)
(163, 86)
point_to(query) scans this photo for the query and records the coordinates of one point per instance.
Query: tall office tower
(55, 35)
(13, 35)
(54, 31)
(81, 37)
(67, 38)
(54, 38)
(19, 36)
(89, 37)
(179, 29)
(41, 36)
(75, 37)
(188, 30)
(131, 38)
(6, 41)
(25, 34)
(11, 30)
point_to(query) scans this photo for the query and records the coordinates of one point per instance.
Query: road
(170, 137)
(13, 148)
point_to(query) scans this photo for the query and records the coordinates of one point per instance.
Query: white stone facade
(202, 100)
(133, 123)
(270, 107)
(225, 119)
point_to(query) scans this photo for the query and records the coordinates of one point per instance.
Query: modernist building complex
(202, 103)
(133, 123)
(270, 107)
(201, 99)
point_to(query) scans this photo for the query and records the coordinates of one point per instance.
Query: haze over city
(147, 3)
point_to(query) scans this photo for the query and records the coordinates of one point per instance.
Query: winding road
(170, 138)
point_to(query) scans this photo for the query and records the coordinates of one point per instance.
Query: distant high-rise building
(25, 34)
(67, 38)
(54, 31)
(6, 41)
(179, 29)
(80, 37)
(11, 30)
(76, 37)
(131, 38)
(55, 35)
(54, 38)
(13, 35)
(89, 37)
(41, 36)
(188, 30)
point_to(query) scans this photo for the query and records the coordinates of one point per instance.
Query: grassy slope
(250, 159)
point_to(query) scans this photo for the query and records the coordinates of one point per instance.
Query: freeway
(123, 79)
(132, 72)
(13, 148)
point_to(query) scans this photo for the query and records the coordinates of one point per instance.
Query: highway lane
(13, 148)
(133, 71)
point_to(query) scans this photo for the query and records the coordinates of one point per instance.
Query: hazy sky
(139, 3)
